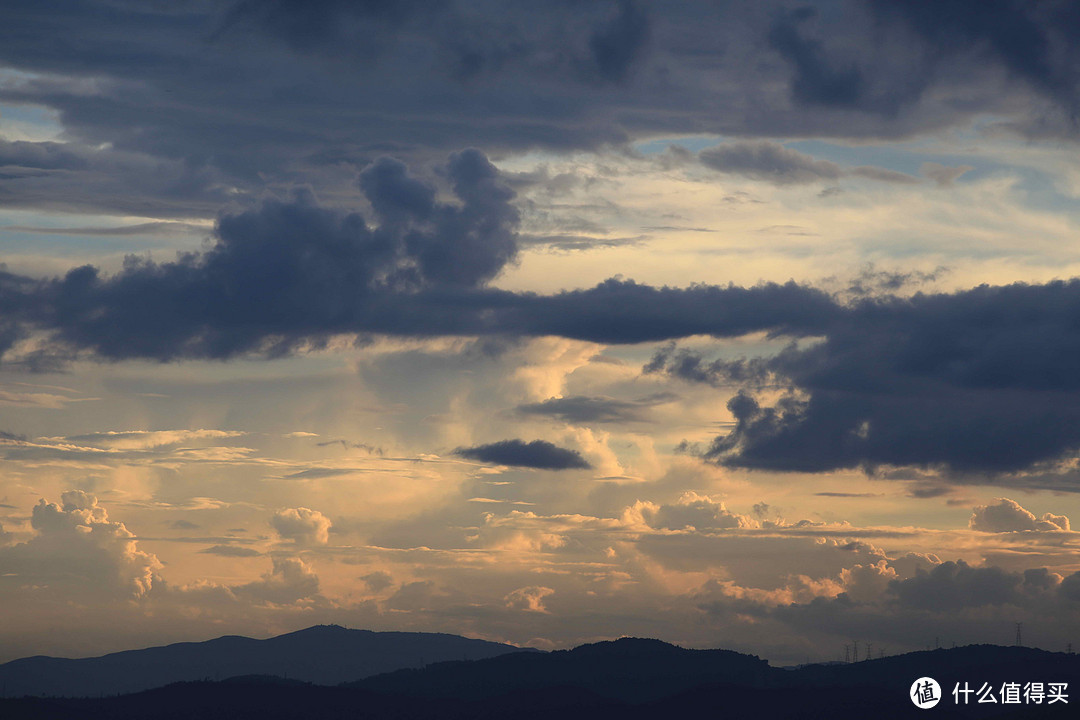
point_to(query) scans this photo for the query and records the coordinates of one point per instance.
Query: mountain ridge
(630, 678)
(322, 654)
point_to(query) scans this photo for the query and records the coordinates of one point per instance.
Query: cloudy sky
(736, 324)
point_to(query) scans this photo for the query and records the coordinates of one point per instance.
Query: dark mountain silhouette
(629, 679)
(630, 669)
(324, 654)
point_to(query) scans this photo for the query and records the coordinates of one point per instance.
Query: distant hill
(629, 679)
(630, 669)
(324, 654)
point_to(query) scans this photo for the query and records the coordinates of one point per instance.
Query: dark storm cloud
(691, 366)
(981, 383)
(272, 90)
(618, 311)
(1033, 41)
(277, 92)
(465, 246)
(977, 382)
(288, 270)
(538, 454)
(617, 43)
(818, 79)
(883, 57)
(362, 28)
(293, 272)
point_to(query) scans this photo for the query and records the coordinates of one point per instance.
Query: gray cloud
(943, 175)
(954, 601)
(691, 366)
(231, 551)
(377, 581)
(73, 177)
(150, 228)
(291, 273)
(290, 269)
(871, 172)
(818, 79)
(1032, 42)
(183, 525)
(538, 454)
(1007, 515)
(953, 586)
(409, 78)
(584, 409)
(769, 161)
(894, 381)
(290, 581)
(618, 42)
(972, 381)
(772, 162)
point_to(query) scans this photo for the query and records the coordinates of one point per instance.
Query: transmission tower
(855, 654)
(869, 650)
(847, 653)
(1019, 641)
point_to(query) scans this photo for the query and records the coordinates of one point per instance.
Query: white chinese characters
(1012, 693)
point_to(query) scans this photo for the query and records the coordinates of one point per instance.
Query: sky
(750, 325)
